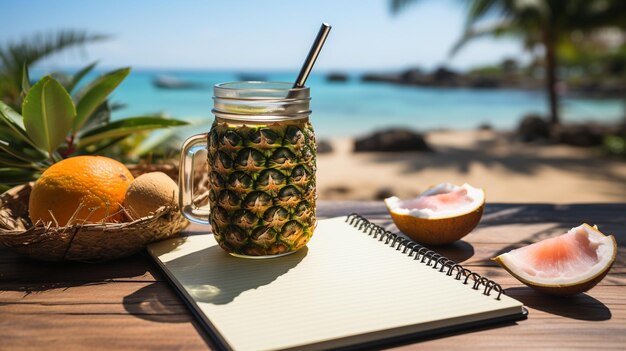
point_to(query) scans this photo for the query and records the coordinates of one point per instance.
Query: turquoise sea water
(354, 108)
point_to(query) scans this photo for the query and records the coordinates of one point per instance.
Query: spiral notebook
(354, 286)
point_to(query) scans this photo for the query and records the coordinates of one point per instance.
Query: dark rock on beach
(414, 76)
(484, 82)
(381, 77)
(509, 74)
(337, 77)
(324, 147)
(336, 191)
(583, 135)
(444, 75)
(383, 193)
(536, 128)
(392, 140)
(533, 128)
(485, 126)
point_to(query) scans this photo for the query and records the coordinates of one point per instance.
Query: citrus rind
(432, 227)
(603, 246)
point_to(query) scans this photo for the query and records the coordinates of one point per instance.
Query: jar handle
(188, 152)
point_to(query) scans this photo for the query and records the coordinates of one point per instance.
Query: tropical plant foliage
(548, 24)
(58, 121)
(26, 52)
(615, 145)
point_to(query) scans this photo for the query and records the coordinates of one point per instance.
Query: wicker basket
(80, 242)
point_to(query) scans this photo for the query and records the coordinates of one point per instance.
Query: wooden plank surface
(127, 304)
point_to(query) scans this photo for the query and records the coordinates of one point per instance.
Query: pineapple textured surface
(262, 186)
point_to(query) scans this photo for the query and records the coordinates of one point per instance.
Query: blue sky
(256, 35)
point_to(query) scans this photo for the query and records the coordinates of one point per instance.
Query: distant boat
(170, 82)
(251, 77)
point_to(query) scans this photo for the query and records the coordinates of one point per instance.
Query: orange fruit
(82, 189)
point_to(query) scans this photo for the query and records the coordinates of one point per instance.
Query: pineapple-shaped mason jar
(261, 154)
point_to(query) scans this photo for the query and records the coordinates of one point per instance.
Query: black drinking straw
(313, 53)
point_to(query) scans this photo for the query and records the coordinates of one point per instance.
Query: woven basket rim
(98, 241)
(161, 211)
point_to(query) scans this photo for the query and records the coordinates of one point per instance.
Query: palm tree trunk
(551, 71)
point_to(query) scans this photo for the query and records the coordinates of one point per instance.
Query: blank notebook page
(344, 288)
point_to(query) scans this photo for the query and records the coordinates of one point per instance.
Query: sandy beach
(509, 171)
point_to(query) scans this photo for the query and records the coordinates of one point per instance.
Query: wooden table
(128, 304)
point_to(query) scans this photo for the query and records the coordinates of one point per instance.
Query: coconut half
(568, 264)
(440, 215)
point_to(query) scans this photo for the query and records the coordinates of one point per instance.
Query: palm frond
(15, 55)
(398, 6)
(494, 29)
(593, 14)
(32, 49)
(480, 8)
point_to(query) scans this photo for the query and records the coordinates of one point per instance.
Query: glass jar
(262, 162)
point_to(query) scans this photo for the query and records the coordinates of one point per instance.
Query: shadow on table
(158, 303)
(209, 276)
(414, 340)
(523, 160)
(458, 251)
(581, 306)
(30, 276)
(213, 276)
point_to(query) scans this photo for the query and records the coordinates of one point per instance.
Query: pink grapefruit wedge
(568, 264)
(440, 215)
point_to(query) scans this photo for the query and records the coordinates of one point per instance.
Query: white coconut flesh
(442, 201)
(574, 257)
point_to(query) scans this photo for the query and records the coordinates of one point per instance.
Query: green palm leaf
(400, 5)
(18, 153)
(25, 80)
(38, 46)
(48, 114)
(14, 55)
(76, 78)
(15, 176)
(15, 123)
(95, 94)
(126, 127)
(7, 159)
(493, 29)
